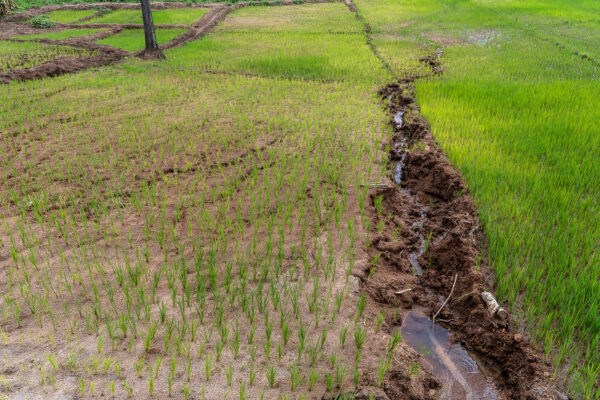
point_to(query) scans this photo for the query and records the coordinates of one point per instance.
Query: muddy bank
(65, 65)
(428, 243)
(59, 66)
(10, 29)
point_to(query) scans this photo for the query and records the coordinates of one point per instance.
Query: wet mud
(428, 244)
(461, 375)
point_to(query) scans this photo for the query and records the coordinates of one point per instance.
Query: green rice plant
(329, 382)
(208, 367)
(296, 378)
(356, 374)
(139, 366)
(252, 373)
(69, 16)
(382, 368)
(27, 55)
(362, 302)
(393, 341)
(340, 372)
(313, 378)
(360, 335)
(343, 335)
(242, 391)
(64, 34)
(271, 374)
(160, 17)
(380, 320)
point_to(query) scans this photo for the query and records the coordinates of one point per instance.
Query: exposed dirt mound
(59, 66)
(10, 29)
(427, 234)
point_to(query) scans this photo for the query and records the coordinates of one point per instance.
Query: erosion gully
(431, 269)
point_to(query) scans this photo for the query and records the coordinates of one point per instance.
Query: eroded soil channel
(428, 255)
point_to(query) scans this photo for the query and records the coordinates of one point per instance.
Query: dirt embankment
(427, 236)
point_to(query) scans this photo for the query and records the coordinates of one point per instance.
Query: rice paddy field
(206, 226)
(25, 55)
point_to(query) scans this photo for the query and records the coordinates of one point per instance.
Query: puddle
(462, 377)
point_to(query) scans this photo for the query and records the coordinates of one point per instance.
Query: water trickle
(399, 146)
(413, 257)
(462, 377)
(398, 170)
(398, 119)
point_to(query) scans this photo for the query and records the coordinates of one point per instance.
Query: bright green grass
(299, 18)
(133, 39)
(402, 54)
(185, 16)
(67, 33)
(15, 55)
(69, 16)
(311, 56)
(118, 17)
(242, 43)
(181, 16)
(517, 112)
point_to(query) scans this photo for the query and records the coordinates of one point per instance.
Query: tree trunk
(152, 50)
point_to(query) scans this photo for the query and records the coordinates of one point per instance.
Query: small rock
(518, 338)
(432, 392)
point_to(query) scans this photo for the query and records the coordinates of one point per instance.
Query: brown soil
(64, 65)
(10, 29)
(58, 66)
(434, 203)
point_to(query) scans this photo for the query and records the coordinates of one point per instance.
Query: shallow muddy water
(462, 377)
(398, 119)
